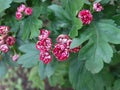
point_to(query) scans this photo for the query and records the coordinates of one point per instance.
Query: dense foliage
(72, 43)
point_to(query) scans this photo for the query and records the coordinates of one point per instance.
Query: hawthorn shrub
(72, 43)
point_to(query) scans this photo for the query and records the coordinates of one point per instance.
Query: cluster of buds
(44, 45)
(5, 40)
(22, 9)
(85, 15)
(62, 47)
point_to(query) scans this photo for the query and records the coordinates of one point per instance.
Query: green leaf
(41, 70)
(84, 35)
(31, 56)
(73, 6)
(59, 12)
(81, 79)
(3, 69)
(18, 1)
(77, 24)
(50, 69)
(36, 80)
(4, 4)
(116, 85)
(115, 59)
(98, 50)
(31, 28)
(61, 71)
(105, 1)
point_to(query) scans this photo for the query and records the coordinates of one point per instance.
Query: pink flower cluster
(22, 9)
(5, 40)
(44, 45)
(62, 47)
(85, 15)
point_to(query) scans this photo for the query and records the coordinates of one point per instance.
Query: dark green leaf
(98, 48)
(3, 69)
(61, 71)
(116, 85)
(41, 70)
(81, 79)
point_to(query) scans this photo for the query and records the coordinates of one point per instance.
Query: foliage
(97, 64)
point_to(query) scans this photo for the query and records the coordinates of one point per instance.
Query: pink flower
(4, 30)
(10, 40)
(4, 48)
(85, 16)
(44, 45)
(1, 40)
(62, 38)
(18, 15)
(61, 52)
(44, 34)
(45, 57)
(97, 7)
(21, 8)
(28, 11)
(15, 57)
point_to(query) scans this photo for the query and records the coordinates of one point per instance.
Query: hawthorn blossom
(21, 8)
(61, 52)
(97, 7)
(85, 16)
(44, 34)
(45, 57)
(28, 11)
(44, 45)
(18, 15)
(62, 38)
(10, 40)
(4, 30)
(4, 48)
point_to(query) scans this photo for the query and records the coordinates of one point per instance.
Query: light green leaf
(31, 56)
(18, 1)
(4, 4)
(77, 24)
(46, 70)
(36, 80)
(59, 12)
(73, 6)
(31, 28)
(84, 35)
